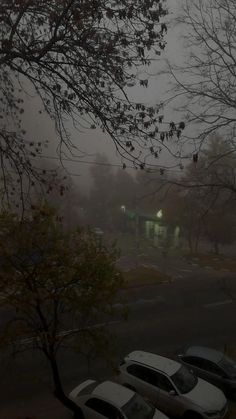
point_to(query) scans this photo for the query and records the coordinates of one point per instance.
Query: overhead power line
(166, 169)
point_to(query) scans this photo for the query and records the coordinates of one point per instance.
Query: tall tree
(219, 160)
(210, 192)
(101, 197)
(205, 80)
(125, 187)
(54, 285)
(214, 168)
(124, 198)
(191, 217)
(80, 58)
(150, 191)
(61, 192)
(220, 226)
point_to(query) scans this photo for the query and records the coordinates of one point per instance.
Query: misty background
(88, 143)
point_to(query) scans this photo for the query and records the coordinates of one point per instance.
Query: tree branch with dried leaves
(81, 58)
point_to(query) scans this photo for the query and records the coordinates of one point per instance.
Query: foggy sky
(89, 142)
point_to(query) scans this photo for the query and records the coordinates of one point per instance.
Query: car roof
(204, 352)
(155, 361)
(113, 392)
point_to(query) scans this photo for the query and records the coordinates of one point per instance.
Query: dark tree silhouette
(56, 287)
(80, 58)
(205, 80)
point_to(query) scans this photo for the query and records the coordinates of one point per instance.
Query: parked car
(211, 365)
(170, 386)
(113, 401)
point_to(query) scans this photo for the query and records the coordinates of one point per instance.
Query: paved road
(176, 267)
(162, 318)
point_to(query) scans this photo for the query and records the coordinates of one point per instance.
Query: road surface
(162, 318)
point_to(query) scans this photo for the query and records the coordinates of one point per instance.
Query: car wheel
(192, 415)
(130, 387)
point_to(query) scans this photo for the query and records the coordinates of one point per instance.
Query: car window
(163, 382)
(150, 376)
(184, 380)
(213, 368)
(104, 408)
(229, 366)
(204, 364)
(138, 408)
(194, 361)
(141, 372)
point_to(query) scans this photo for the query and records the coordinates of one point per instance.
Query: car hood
(207, 396)
(159, 415)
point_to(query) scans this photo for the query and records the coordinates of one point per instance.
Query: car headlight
(217, 413)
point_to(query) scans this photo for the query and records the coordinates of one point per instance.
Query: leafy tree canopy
(57, 287)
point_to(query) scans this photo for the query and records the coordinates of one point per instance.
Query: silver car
(211, 365)
(171, 387)
(113, 401)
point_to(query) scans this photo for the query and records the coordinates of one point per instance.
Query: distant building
(154, 228)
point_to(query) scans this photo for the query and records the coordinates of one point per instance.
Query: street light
(159, 214)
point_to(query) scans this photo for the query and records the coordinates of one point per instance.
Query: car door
(214, 374)
(139, 378)
(96, 408)
(206, 370)
(155, 387)
(167, 397)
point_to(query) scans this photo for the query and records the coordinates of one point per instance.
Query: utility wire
(164, 168)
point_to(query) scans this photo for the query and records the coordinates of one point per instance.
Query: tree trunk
(59, 392)
(216, 248)
(190, 243)
(196, 245)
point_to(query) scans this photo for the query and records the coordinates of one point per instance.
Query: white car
(171, 387)
(113, 401)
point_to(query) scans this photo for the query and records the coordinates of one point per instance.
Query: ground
(142, 275)
(192, 307)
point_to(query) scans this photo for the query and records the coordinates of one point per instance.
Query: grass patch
(143, 275)
(216, 262)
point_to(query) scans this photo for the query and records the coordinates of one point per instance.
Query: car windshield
(138, 408)
(229, 366)
(184, 380)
